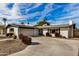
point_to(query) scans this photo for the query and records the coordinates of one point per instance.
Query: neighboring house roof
(55, 26)
(2, 26)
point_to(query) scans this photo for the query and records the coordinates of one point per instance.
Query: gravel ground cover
(11, 46)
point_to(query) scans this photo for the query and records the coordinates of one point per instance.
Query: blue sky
(55, 13)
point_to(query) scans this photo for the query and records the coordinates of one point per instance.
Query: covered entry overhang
(54, 26)
(64, 30)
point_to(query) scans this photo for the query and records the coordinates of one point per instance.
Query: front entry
(40, 32)
(54, 32)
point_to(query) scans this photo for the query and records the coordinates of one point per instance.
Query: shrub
(25, 39)
(48, 34)
(14, 36)
(9, 34)
(57, 34)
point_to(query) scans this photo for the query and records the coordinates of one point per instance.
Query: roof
(39, 27)
(20, 26)
(55, 26)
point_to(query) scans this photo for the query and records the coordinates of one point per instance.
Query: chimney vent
(70, 22)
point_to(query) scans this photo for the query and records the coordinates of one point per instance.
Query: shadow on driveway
(35, 43)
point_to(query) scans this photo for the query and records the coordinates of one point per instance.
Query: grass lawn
(11, 46)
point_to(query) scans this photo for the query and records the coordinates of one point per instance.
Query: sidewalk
(6, 39)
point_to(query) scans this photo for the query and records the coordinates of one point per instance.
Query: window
(12, 29)
(53, 31)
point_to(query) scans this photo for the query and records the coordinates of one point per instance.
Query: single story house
(22, 29)
(63, 30)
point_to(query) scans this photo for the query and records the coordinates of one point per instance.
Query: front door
(40, 31)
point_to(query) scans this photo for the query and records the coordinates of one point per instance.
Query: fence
(76, 33)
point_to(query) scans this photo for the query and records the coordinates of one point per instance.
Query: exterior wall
(15, 30)
(64, 32)
(24, 31)
(28, 32)
(71, 32)
(36, 32)
(45, 31)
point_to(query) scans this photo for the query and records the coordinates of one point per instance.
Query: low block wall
(76, 33)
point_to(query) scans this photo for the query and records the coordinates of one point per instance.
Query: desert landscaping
(9, 46)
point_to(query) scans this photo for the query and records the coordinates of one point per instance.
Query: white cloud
(13, 14)
(72, 15)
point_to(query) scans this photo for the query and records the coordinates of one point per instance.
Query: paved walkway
(46, 46)
(5, 39)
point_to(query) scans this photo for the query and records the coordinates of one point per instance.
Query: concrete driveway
(47, 46)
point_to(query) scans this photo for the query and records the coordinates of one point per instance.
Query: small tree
(42, 23)
(22, 22)
(4, 20)
(28, 23)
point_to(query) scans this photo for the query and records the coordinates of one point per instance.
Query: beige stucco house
(62, 30)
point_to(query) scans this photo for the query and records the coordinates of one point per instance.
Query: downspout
(59, 31)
